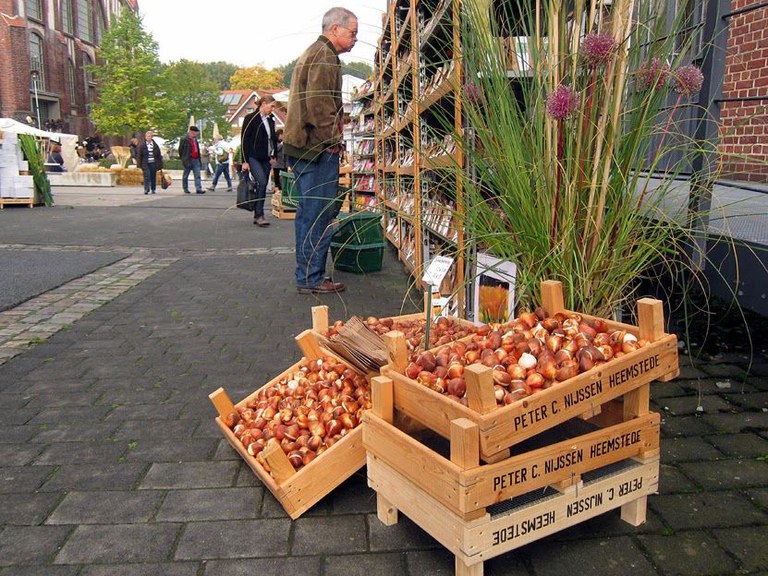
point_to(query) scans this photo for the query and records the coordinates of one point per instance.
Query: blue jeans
(195, 169)
(260, 170)
(317, 186)
(222, 168)
(150, 177)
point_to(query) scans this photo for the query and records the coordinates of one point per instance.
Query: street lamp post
(35, 76)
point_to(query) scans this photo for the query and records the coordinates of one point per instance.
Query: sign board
(437, 269)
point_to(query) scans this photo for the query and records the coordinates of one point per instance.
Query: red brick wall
(744, 125)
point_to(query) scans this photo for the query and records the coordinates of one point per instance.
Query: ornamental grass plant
(565, 143)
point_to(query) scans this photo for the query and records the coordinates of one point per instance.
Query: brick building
(744, 104)
(44, 47)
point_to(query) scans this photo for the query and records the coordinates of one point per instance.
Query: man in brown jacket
(312, 144)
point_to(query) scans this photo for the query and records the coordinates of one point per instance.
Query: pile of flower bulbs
(307, 411)
(530, 353)
(443, 331)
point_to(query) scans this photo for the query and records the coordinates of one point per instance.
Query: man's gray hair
(338, 15)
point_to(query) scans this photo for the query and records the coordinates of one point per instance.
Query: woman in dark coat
(258, 151)
(150, 160)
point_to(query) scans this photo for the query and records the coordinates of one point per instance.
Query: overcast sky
(248, 32)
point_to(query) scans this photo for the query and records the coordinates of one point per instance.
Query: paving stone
(67, 432)
(18, 454)
(737, 422)
(161, 412)
(706, 510)
(604, 556)
(441, 562)
(120, 543)
(136, 429)
(190, 475)
(23, 478)
(690, 405)
(24, 509)
(685, 449)
(80, 414)
(234, 539)
(673, 481)
(81, 453)
(165, 569)
(726, 474)
(305, 565)
(59, 399)
(688, 554)
(40, 570)
(31, 544)
(213, 504)
(172, 449)
(759, 497)
(13, 417)
(391, 564)
(349, 535)
(684, 426)
(740, 445)
(106, 476)
(113, 507)
(747, 544)
(405, 535)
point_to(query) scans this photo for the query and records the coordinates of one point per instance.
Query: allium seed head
(562, 102)
(651, 75)
(687, 80)
(597, 49)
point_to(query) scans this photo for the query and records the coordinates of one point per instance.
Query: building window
(36, 62)
(67, 20)
(84, 20)
(34, 9)
(71, 84)
(88, 78)
(98, 28)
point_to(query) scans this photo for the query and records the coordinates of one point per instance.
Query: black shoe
(145, 192)
(229, 190)
(211, 189)
(153, 191)
(201, 191)
(186, 191)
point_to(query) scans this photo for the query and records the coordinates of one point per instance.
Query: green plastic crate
(289, 195)
(359, 229)
(358, 259)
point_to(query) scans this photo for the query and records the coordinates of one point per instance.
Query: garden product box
(564, 476)
(358, 259)
(296, 490)
(501, 427)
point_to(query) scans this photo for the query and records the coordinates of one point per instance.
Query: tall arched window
(37, 60)
(34, 9)
(67, 20)
(71, 83)
(99, 23)
(84, 20)
(87, 78)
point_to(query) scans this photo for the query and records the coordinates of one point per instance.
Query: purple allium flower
(473, 92)
(651, 75)
(562, 102)
(687, 80)
(597, 48)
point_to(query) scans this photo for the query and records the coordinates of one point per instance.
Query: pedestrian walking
(190, 153)
(258, 149)
(150, 159)
(279, 163)
(221, 157)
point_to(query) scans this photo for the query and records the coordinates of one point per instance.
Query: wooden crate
(481, 511)
(280, 211)
(30, 202)
(502, 427)
(297, 491)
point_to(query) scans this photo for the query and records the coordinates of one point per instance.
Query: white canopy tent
(68, 141)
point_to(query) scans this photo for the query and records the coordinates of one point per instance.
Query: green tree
(220, 73)
(287, 71)
(358, 69)
(256, 78)
(130, 96)
(192, 93)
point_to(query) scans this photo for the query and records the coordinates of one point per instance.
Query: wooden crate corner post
(396, 351)
(482, 399)
(552, 296)
(320, 319)
(309, 345)
(222, 403)
(383, 405)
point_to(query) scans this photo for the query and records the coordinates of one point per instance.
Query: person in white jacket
(221, 157)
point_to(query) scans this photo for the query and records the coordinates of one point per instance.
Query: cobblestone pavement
(111, 462)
